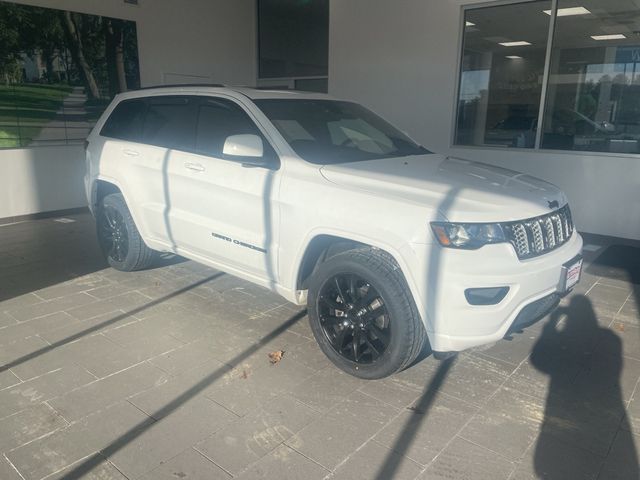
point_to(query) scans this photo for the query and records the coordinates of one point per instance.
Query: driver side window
(217, 120)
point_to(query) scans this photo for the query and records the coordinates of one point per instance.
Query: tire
(119, 239)
(379, 312)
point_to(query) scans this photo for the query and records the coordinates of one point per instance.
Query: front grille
(539, 235)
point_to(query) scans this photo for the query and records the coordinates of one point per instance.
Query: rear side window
(170, 122)
(126, 120)
(218, 119)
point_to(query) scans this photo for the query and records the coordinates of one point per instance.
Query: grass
(32, 107)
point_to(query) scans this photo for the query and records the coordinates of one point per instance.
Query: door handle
(130, 153)
(196, 167)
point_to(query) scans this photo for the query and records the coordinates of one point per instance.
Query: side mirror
(246, 145)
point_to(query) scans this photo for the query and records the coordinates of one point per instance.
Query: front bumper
(452, 323)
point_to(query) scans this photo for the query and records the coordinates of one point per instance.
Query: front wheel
(118, 236)
(362, 314)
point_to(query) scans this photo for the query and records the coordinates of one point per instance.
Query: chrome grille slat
(539, 235)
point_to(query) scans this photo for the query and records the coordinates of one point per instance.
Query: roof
(252, 93)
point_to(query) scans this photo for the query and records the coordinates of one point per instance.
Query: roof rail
(178, 85)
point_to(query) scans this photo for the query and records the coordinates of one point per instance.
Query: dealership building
(550, 88)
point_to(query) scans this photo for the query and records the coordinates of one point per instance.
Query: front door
(219, 209)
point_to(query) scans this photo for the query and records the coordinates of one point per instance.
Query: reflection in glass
(502, 71)
(593, 99)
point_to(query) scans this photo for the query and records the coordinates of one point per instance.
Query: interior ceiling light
(520, 43)
(513, 57)
(615, 36)
(469, 24)
(567, 12)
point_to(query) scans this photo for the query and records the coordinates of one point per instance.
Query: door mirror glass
(245, 145)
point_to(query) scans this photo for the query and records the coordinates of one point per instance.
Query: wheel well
(320, 249)
(103, 189)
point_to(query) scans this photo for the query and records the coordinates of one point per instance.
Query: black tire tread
(387, 269)
(140, 256)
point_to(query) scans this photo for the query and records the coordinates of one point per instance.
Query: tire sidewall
(117, 202)
(393, 297)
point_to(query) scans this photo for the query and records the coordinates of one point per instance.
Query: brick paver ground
(165, 374)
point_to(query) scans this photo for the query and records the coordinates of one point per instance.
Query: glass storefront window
(593, 97)
(502, 74)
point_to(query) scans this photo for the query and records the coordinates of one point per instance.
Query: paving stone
(622, 463)
(8, 379)
(19, 302)
(256, 382)
(393, 391)
(633, 412)
(52, 453)
(554, 459)
(188, 465)
(471, 378)
(103, 470)
(6, 320)
(512, 351)
(412, 432)
(331, 438)
(82, 284)
(192, 383)
(144, 339)
(630, 312)
(248, 439)
(607, 299)
(41, 389)
(186, 357)
(284, 463)
(20, 350)
(100, 356)
(326, 388)
(194, 421)
(35, 327)
(110, 390)
(507, 424)
(603, 375)
(29, 312)
(86, 328)
(463, 460)
(27, 425)
(130, 302)
(376, 461)
(7, 472)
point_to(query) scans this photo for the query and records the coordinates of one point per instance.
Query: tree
(114, 52)
(70, 23)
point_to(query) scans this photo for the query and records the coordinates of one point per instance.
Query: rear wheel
(362, 314)
(118, 236)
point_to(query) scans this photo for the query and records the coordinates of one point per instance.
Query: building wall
(178, 41)
(400, 59)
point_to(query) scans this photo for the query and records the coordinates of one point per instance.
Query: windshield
(329, 131)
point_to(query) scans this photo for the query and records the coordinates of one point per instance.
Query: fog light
(485, 296)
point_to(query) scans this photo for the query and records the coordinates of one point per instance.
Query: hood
(460, 190)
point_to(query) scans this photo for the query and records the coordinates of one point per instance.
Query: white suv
(325, 203)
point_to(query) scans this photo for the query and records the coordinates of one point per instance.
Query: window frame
(537, 147)
(271, 153)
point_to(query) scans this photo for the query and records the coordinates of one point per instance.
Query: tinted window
(125, 122)
(170, 122)
(218, 119)
(329, 131)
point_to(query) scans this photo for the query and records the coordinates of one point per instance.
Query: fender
(401, 253)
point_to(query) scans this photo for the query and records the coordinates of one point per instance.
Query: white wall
(213, 40)
(399, 57)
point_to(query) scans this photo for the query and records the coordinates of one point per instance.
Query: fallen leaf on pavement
(275, 357)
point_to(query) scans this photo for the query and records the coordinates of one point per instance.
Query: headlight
(467, 235)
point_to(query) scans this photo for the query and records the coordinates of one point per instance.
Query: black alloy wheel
(113, 234)
(354, 318)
